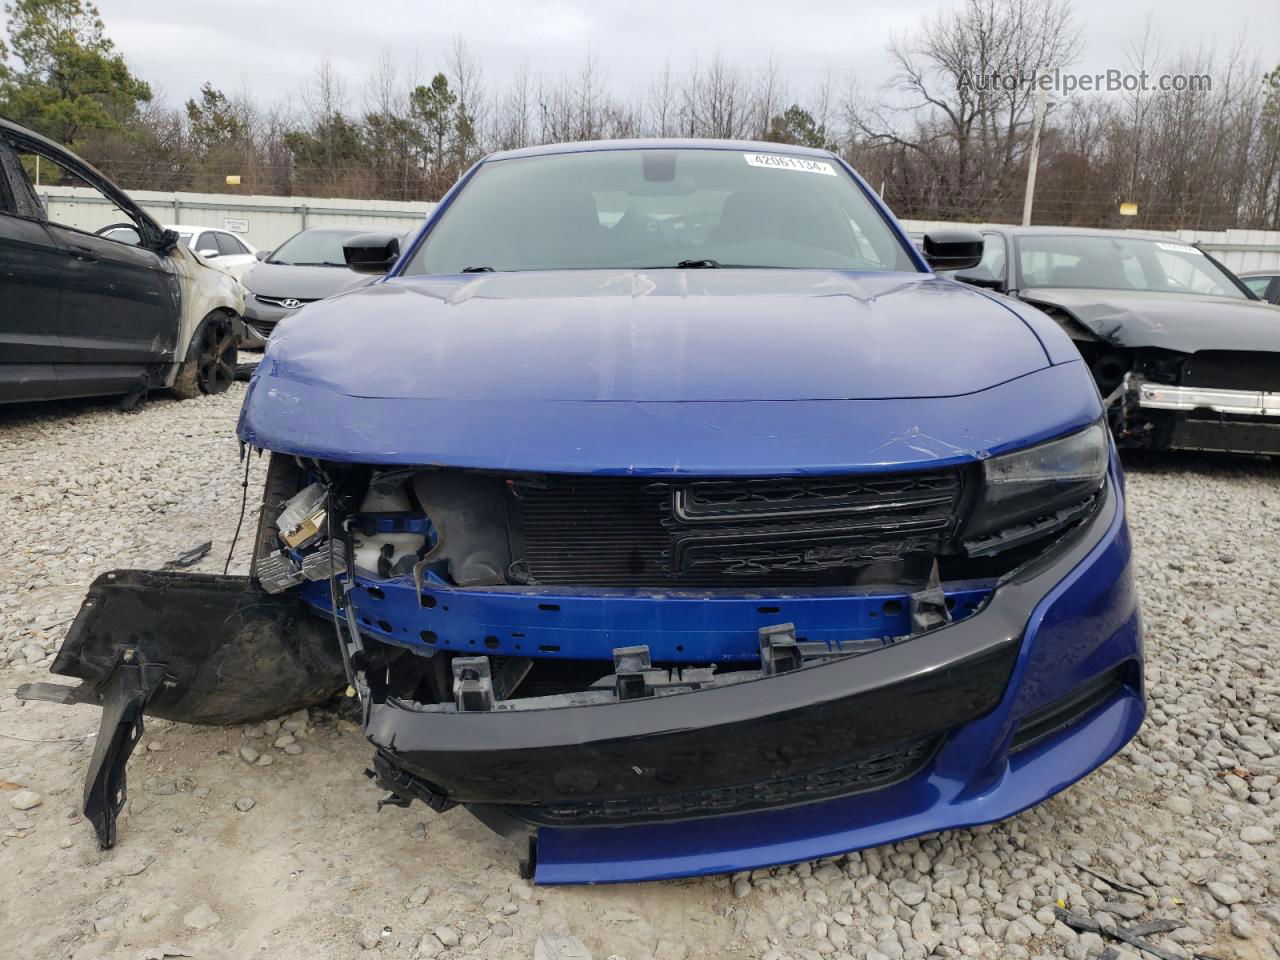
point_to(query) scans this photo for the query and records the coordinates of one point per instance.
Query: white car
(221, 248)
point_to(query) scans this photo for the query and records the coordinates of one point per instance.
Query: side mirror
(372, 252)
(262, 254)
(952, 249)
(208, 253)
(169, 240)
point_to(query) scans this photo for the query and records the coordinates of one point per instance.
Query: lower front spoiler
(925, 804)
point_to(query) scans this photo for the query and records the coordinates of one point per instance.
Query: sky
(271, 47)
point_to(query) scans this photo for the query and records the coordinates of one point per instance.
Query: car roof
(661, 143)
(1082, 232)
(350, 230)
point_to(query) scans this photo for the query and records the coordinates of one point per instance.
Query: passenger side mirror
(208, 253)
(262, 254)
(372, 252)
(952, 249)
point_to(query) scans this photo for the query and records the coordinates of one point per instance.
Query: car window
(206, 241)
(1118, 262)
(123, 234)
(314, 248)
(229, 246)
(653, 209)
(88, 209)
(1257, 284)
(7, 202)
(993, 255)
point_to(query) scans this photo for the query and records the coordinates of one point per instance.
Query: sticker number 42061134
(790, 163)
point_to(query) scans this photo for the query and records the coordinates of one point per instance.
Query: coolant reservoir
(368, 550)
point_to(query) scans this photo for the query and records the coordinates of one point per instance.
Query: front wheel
(210, 366)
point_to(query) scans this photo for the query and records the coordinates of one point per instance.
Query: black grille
(871, 772)
(793, 532)
(1233, 370)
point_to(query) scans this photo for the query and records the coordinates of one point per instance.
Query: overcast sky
(272, 47)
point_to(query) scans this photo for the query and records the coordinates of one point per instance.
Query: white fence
(267, 221)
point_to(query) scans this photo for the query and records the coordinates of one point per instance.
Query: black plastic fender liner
(231, 653)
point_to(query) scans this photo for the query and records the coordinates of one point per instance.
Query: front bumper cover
(732, 777)
(867, 749)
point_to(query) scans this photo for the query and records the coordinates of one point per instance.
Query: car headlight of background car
(1032, 492)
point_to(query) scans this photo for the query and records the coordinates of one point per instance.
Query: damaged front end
(1213, 400)
(567, 653)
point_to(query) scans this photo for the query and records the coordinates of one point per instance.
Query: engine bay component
(323, 564)
(303, 518)
(277, 572)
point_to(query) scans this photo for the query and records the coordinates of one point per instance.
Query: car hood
(668, 335)
(1173, 321)
(303, 283)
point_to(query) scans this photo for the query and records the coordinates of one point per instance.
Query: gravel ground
(264, 842)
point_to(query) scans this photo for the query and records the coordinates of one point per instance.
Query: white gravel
(224, 856)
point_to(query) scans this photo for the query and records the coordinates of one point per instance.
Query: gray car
(1264, 283)
(309, 266)
(1185, 354)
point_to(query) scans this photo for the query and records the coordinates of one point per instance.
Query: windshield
(652, 209)
(1121, 263)
(314, 248)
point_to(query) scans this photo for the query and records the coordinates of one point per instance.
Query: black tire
(284, 479)
(210, 367)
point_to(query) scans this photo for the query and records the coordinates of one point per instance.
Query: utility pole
(1042, 103)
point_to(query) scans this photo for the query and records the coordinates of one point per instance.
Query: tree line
(946, 138)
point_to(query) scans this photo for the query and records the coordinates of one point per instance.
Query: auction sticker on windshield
(789, 163)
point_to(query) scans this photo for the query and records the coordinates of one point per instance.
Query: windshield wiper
(698, 264)
(478, 270)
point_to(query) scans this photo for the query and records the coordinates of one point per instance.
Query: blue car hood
(668, 371)
(662, 335)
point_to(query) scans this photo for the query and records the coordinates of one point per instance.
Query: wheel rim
(216, 368)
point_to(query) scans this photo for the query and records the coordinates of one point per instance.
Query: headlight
(1031, 492)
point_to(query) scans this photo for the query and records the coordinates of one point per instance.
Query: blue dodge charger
(665, 509)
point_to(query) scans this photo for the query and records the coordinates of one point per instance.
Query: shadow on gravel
(50, 410)
(1176, 461)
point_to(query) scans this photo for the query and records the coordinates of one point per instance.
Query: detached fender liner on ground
(193, 647)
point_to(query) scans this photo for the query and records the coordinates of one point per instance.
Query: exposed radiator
(790, 532)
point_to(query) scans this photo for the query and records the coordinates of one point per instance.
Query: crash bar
(1254, 402)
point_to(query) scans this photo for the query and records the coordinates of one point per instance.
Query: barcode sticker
(779, 162)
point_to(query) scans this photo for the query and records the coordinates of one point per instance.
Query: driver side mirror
(372, 252)
(262, 254)
(952, 249)
(169, 241)
(208, 253)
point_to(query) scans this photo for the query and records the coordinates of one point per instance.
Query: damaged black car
(1186, 354)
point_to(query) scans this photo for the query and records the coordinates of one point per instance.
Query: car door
(30, 289)
(119, 312)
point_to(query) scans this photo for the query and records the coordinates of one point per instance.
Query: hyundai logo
(291, 303)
